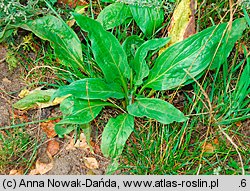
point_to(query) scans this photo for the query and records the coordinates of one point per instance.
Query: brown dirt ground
(65, 162)
(9, 82)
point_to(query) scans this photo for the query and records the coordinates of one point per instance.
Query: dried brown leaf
(238, 123)
(216, 141)
(43, 168)
(16, 172)
(53, 147)
(91, 163)
(34, 172)
(209, 148)
(71, 145)
(82, 142)
(23, 93)
(6, 81)
(48, 128)
(182, 24)
(90, 172)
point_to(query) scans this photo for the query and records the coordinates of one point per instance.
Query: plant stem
(151, 93)
(131, 79)
(116, 106)
(125, 87)
(142, 89)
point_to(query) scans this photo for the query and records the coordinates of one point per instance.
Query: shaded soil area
(10, 84)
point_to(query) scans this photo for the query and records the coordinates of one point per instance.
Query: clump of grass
(17, 150)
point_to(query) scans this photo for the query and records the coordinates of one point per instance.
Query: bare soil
(10, 84)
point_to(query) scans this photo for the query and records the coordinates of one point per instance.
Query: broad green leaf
(149, 19)
(107, 51)
(36, 98)
(139, 63)
(228, 42)
(78, 111)
(52, 1)
(90, 88)
(115, 135)
(114, 15)
(62, 38)
(112, 167)
(7, 31)
(86, 129)
(187, 59)
(63, 129)
(130, 46)
(79, 9)
(157, 109)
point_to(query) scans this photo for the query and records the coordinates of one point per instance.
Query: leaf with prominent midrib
(107, 51)
(149, 19)
(157, 109)
(90, 88)
(79, 111)
(187, 59)
(114, 15)
(62, 38)
(139, 63)
(6, 32)
(115, 135)
(63, 129)
(36, 98)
